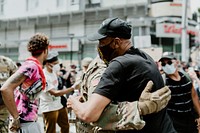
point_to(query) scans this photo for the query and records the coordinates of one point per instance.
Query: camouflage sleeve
(89, 84)
(93, 81)
(121, 116)
(84, 89)
(13, 67)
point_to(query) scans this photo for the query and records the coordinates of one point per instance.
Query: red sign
(176, 4)
(177, 30)
(59, 46)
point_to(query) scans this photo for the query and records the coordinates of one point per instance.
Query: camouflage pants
(3, 113)
(3, 119)
(82, 127)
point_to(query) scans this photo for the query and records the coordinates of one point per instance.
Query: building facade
(68, 22)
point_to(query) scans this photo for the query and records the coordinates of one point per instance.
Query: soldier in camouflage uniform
(7, 68)
(89, 82)
(90, 79)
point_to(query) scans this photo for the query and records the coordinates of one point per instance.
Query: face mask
(56, 68)
(106, 53)
(169, 69)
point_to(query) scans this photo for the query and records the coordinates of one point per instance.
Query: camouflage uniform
(7, 68)
(92, 77)
(126, 114)
(90, 80)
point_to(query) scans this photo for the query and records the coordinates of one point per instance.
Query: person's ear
(116, 43)
(177, 62)
(46, 51)
(45, 54)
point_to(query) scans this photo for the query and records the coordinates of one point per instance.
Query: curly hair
(38, 43)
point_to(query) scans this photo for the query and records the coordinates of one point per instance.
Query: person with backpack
(184, 106)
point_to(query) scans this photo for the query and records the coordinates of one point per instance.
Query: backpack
(1, 99)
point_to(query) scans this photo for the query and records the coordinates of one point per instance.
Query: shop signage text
(58, 46)
(174, 30)
(177, 30)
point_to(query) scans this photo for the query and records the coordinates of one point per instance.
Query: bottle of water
(73, 115)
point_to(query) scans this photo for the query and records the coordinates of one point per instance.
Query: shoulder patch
(95, 82)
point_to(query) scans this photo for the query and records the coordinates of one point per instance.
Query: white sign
(169, 9)
(63, 45)
(142, 41)
(173, 30)
(155, 53)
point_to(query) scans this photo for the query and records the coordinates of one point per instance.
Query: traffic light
(194, 16)
(192, 41)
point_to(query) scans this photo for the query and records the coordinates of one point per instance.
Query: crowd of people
(121, 90)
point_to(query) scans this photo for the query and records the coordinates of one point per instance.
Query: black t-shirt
(181, 101)
(124, 80)
(180, 107)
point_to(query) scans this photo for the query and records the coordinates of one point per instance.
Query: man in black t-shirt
(127, 74)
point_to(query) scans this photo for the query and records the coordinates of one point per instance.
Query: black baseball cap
(112, 27)
(168, 55)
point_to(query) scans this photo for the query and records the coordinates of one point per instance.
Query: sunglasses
(168, 62)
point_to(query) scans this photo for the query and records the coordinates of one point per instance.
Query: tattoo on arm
(16, 78)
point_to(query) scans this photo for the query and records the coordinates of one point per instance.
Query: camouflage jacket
(92, 77)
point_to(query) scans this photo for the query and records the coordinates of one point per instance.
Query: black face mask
(106, 53)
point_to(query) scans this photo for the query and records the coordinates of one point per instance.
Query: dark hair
(37, 44)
